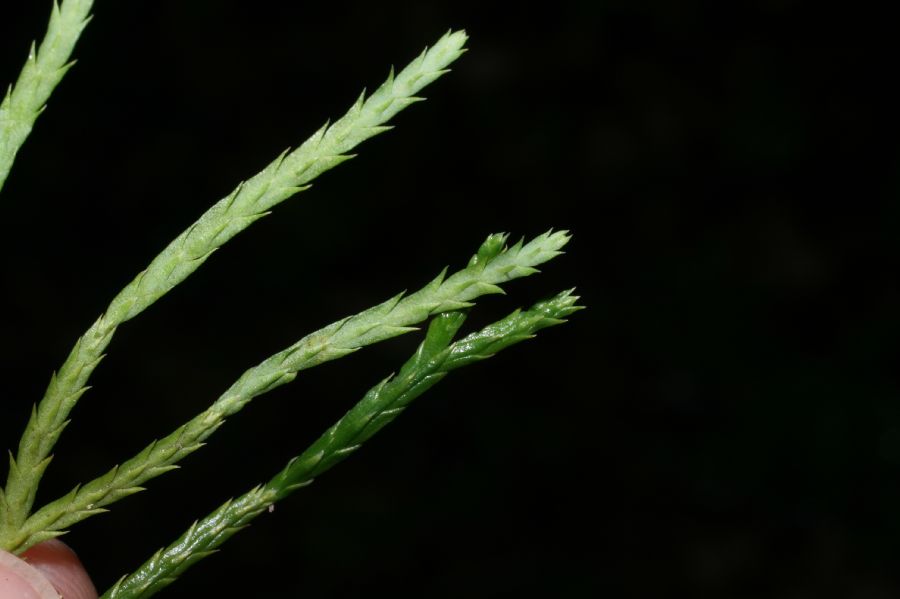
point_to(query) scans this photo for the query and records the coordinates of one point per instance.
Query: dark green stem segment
(435, 357)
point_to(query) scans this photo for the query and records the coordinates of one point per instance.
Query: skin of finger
(59, 564)
(19, 580)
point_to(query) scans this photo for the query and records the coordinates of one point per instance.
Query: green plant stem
(21, 106)
(288, 174)
(44, 69)
(384, 402)
(494, 264)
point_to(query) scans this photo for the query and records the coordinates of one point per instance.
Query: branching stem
(289, 173)
(493, 265)
(384, 402)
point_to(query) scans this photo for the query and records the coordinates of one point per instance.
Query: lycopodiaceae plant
(445, 300)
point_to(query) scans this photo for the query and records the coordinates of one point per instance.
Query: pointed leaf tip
(491, 248)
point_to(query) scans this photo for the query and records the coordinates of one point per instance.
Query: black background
(724, 419)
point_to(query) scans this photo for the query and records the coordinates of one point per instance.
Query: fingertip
(20, 580)
(59, 564)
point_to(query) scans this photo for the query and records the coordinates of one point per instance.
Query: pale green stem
(494, 264)
(381, 405)
(46, 66)
(288, 174)
(21, 106)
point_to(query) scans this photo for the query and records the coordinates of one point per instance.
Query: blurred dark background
(724, 420)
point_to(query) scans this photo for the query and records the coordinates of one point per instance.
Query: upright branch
(286, 175)
(381, 405)
(44, 69)
(494, 264)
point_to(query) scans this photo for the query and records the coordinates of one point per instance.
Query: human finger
(48, 569)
